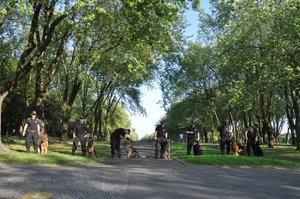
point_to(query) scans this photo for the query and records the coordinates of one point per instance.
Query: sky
(152, 96)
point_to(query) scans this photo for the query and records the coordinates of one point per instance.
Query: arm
(39, 130)
(155, 135)
(25, 128)
(74, 131)
(246, 137)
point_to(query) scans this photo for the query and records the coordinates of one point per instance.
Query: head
(127, 131)
(255, 125)
(33, 114)
(81, 119)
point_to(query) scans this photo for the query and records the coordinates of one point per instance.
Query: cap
(33, 113)
(81, 117)
(162, 122)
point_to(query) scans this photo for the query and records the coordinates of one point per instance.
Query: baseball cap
(33, 113)
(81, 117)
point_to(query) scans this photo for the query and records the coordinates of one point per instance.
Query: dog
(130, 151)
(237, 147)
(91, 147)
(259, 151)
(44, 144)
(197, 149)
(168, 148)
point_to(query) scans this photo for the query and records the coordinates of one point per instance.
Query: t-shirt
(81, 129)
(193, 129)
(161, 131)
(32, 124)
(251, 133)
(224, 132)
(118, 133)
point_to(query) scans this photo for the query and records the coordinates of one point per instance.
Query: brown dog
(130, 151)
(91, 147)
(44, 143)
(237, 147)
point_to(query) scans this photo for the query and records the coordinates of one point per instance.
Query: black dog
(197, 149)
(259, 151)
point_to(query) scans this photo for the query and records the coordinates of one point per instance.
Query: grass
(58, 154)
(212, 156)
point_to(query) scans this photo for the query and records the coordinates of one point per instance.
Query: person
(161, 138)
(32, 132)
(192, 133)
(115, 141)
(224, 137)
(181, 138)
(80, 130)
(250, 136)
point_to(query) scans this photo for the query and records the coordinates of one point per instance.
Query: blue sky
(151, 97)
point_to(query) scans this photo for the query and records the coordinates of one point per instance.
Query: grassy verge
(212, 156)
(58, 154)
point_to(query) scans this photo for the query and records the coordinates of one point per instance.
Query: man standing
(79, 132)
(250, 136)
(191, 132)
(161, 138)
(32, 131)
(115, 141)
(224, 137)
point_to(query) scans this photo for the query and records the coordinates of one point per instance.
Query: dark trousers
(115, 146)
(189, 147)
(82, 141)
(160, 148)
(222, 146)
(251, 144)
(32, 136)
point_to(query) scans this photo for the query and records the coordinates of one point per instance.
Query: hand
(23, 134)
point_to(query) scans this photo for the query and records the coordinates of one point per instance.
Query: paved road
(148, 178)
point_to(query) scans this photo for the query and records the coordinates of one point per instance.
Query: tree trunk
(2, 96)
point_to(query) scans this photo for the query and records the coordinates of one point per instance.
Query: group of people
(225, 134)
(32, 131)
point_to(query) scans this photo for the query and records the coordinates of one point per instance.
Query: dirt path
(148, 178)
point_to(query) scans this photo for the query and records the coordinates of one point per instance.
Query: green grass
(283, 150)
(212, 156)
(58, 154)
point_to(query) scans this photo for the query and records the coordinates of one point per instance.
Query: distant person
(250, 136)
(161, 139)
(115, 141)
(224, 137)
(32, 132)
(181, 138)
(80, 130)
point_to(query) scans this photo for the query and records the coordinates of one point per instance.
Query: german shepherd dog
(130, 151)
(91, 147)
(237, 147)
(168, 148)
(259, 151)
(44, 144)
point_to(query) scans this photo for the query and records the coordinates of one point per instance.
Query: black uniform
(80, 130)
(161, 141)
(225, 138)
(191, 142)
(251, 143)
(115, 141)
(31, 133)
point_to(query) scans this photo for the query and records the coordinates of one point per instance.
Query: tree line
(66, 58)
(244, 68)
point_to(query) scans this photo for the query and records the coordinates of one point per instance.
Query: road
(148, 178)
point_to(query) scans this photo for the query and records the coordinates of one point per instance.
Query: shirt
(32, 124)
(81, 129)
(161, 131)
(118, 133)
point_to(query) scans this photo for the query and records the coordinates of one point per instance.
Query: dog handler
(250, 136)
(32, 131)
(224, 137)
(115, 141)
(160, 137)
(78, 135)
(191, 131)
